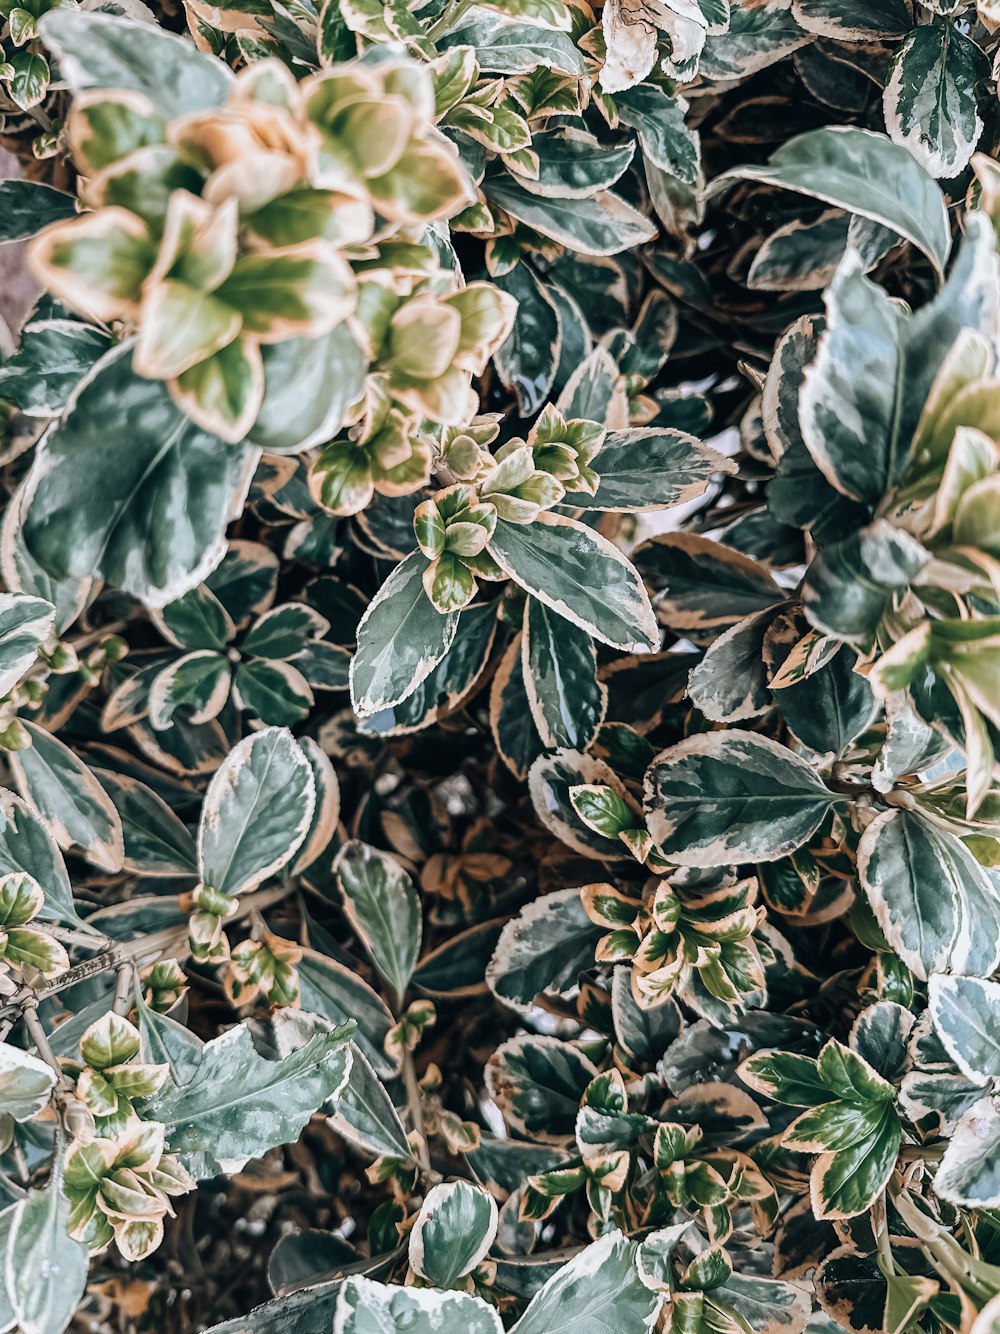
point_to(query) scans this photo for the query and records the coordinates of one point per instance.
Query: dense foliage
(500, 653)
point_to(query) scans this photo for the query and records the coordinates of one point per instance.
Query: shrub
(500, 653)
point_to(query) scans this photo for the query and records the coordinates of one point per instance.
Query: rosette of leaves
(109, 1077)
(850, 1120)
(270, 668)
(26, 951)
(682, 942)
(504, 525)
(280, 180)
(24, 71)
(121, 1189)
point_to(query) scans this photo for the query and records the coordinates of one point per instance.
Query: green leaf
(167, 1042)
(559, 664)
(851, 584)
(864, 173)
(849, 1075)
(109, 51)
(658, 120)
(257, 811)
(755, 37)
(528, 358)
(507, 46)
(25, 624)
(25, 1083)
(786, 1077)
(543, 948)
(364, 1113)
(603, 224)
(157, 842)
(66, 795)
(30, 81)
(552, 781)
(511, 724)
(28, 206)
(847, 1182)
(937, 907)
(854, 20)
(830, 708)
(859, 427)
(195, 686)
(537, 1082)
(580, 576)
(27, 845)
(308, 385)
(764, 1305)
(147, 513)
(275, 692)
(401, 639)
(367, 1307)
(649, 468)
(969, 1173)
(39, 1246)
(730, 683)
(382, 908)
(52, 356)
(705, 585)
(730, 797)
(198, 620)
(237, 1105)
(453, 1232)
(284, 631)
(573, 164)
(441, 692)
(930, 99)
(339, 995)
(966, 1015)
(599, 1291)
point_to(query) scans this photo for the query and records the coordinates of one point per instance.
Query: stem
(123, 984)
(76, 937)
(171, 941)
(95, 636)
(415, 1108)
(38, 1036)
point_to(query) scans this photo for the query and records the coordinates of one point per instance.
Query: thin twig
(123, 985)
(38, 1036)
(415, 1108)
(169, 942)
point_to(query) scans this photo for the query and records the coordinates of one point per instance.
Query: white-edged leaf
(865, 173)
(734, 796)
(937, 907)
(25, 1083)
(930, 99)
(45, 1270)
(237, 1105)
(453, 1232)
(63, 792)
(580, 575)
(111, 51)
(382, 907)
(367, 1307)
(401, 639)
(599, 1291)
(966, 1015)
(257, 811)
(25, 624)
